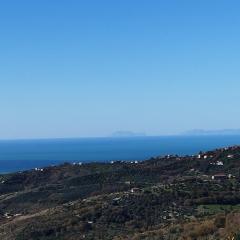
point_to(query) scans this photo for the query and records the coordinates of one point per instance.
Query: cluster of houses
(79, 163)
(217, 163)
(199, 156)
(219, 176)
(39, 169)
(132, 162)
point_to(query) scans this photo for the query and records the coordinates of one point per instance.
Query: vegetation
(167, 198)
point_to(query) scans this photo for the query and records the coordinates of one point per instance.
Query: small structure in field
(230, 176)
(135, 190)
(219, 176)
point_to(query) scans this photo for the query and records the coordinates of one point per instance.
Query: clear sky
(76, 68)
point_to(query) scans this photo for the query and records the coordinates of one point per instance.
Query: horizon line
(117, 137)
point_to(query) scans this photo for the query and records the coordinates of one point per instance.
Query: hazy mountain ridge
(201, 132)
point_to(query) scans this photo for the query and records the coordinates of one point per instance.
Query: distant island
(194, 132)
(201, 132)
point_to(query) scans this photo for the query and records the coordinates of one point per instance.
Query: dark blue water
(27, 154)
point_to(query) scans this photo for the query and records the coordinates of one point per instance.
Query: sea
(19, 155)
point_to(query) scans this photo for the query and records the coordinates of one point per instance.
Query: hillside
(170, 197)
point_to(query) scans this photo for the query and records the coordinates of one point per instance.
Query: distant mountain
(127, 134)
(201, 132)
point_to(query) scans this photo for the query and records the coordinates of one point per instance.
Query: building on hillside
(136, 190)
(219, 176)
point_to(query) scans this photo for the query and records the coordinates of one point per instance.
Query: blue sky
(71, 68)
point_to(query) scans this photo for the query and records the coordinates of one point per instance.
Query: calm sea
(16, 155)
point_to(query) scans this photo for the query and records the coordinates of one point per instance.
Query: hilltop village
(166, 197)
